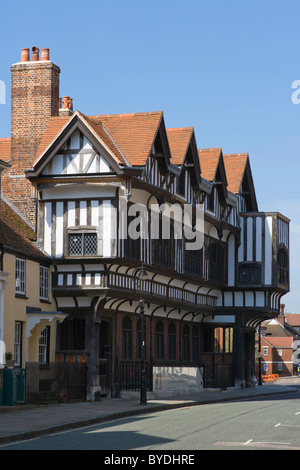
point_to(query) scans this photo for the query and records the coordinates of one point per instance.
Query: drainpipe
(1, 257)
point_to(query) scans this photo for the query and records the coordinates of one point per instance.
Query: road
(268, 423)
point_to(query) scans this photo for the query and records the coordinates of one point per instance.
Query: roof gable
(179, 141)
(61, 130)
(184, 151)
(77, 156)
(213, 169)
(240, 179)
(134, 134)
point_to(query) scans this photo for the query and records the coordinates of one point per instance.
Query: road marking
(251, 443)
(247, 442)
(19, 442)
(288, 425)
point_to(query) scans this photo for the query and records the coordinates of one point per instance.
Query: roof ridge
(126, 114)
(170, 129)
(234, 154)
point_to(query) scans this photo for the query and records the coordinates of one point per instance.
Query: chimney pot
(45, 54)
(66, 102)
(35, 54)
(25, 55)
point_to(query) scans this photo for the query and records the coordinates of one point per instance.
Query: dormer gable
(213, 169)
(239, 177)
(76, 145)
(184, 154)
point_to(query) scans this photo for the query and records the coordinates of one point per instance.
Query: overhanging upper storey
(263, 254)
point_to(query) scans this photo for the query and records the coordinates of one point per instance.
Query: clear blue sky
(224, 67)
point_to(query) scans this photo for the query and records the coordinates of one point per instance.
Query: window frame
(44, 282)
(18, 343)
(20, 276)
(83, 234)
(172, 331)
(127, 339)
(44, 346)
(159, 341)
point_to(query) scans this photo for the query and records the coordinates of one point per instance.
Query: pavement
(20, 422)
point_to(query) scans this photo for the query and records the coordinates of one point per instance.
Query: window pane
(90, 243)
(18, 343)
(75, 244)
(43, 345)
(20, 276)
(44, 283)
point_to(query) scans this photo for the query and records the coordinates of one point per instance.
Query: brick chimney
(65, 106)
(281, 316)
(34, 99)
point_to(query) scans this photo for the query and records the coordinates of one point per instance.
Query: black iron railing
(129, 376)
(55, 382)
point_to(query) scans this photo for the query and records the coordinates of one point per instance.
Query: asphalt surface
(21, 422)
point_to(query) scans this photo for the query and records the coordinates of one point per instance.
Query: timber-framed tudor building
(70, 176)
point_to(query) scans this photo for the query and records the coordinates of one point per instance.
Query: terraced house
(157, 248)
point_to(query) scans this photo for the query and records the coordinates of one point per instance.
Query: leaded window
(250, 273)
(83, 244)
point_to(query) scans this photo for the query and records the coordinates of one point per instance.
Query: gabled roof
(235, 166)
(128, 138)
(134, 133)
(5, 149)
(239, 177)
(183, 147)
(179, 140)
(56, 126)
(209, 160)
(213, 169)
(16, 235)
(280, 342)
(293, 319)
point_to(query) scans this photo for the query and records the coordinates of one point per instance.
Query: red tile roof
(54, 128)
(235, 165)
(280, 342)
(128, 136)
(209, 159)
(179, 139)
(15, 234)
(134, 134)
(99, 129)
(292, 319)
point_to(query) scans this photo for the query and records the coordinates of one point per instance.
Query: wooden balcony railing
(64, 281)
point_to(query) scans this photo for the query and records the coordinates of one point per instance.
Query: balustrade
(121, 281)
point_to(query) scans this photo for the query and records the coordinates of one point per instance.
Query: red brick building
(277, 355)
